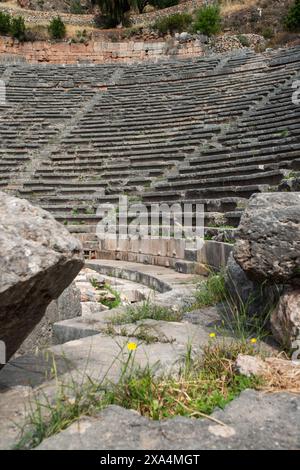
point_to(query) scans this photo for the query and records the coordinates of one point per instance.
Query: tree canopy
(116, 10)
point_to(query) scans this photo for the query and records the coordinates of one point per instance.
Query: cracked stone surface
(261, 427)
(39, 259)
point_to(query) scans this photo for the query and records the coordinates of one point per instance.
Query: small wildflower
(212, 335)
(253, 340)
(131, 346)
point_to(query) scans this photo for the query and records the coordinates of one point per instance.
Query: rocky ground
(257, 24)
(88, 346)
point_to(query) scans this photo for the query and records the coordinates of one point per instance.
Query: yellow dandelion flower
(131, 346)
(212, 335)
(253, 340)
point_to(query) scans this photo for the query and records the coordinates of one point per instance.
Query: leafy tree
(18, 28)
(57, 28)
(208, 20)
(5, 20)
(115, 10)
(292, 19)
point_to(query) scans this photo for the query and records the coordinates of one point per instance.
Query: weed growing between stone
(234, 312)
(112, 303)
(237, 321)
(73, 399)
(146, 310)
(210, 292)
(201, 385)
(144, 333)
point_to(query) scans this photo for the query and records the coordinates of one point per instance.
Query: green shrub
(76, 7)
(268, 33)
(292, 19)
(57, 29)
(210, 291)
(208, 20)
(163, 3)
(17, 28)
(243, 40)
(5, 20)
(173, 24)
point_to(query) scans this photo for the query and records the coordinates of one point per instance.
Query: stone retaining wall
(41, 17)
(184, 7)
(94, 51)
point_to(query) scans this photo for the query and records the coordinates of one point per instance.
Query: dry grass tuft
(232, 6)
(281, 375)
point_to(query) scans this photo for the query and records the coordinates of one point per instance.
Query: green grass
(200, 386)
(291, 175)
(143, 333)
(237, 320)
(111, 303)
(146, 310)
(210, 291)
(243, 40)
(234, 312)
(107, 287)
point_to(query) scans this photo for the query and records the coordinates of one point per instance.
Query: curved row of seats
(207, 130)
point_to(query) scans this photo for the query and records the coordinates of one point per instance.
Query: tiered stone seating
(209, 131)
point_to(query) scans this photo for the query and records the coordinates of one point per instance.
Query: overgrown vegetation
(208, 20)
(115, 12)
(200, 386)
(57, 28)
(237, 320)
(147, 310)
(111, 303)
(211, 291)
(4, 23)
(144, 333)
(292, 19)
(243, 40)
(234, 311)
(176, 23)
(13, 26)
(17, 28)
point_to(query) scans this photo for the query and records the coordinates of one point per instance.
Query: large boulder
(38, 260)
(250, 297)
(285, 320)
(68, 305)
(268, 239)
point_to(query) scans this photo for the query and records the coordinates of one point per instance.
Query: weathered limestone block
(251, 297)
(285, 320)
(67, 306)
(38, 260)
(249, 365)
(268, 239)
